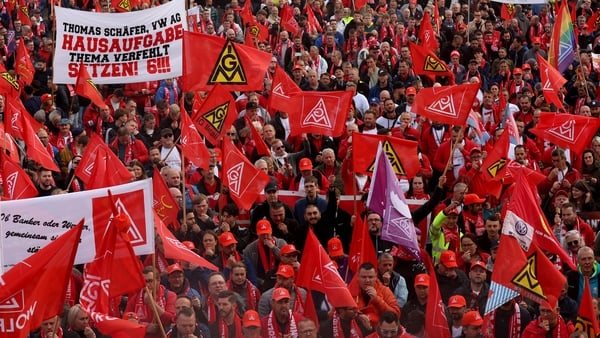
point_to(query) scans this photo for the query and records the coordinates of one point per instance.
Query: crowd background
(259, 251)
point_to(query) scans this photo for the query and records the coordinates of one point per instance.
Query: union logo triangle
(496, 167)
(278, 90)
(234, 177)
(527, 277)
(433, 65)
(125, 5)
(14, 303)
(134, 232)
(228, 69)
(388, 148)
(216, 117)
(565, 131)
(11, 182)
(318, 116)
(444, 106)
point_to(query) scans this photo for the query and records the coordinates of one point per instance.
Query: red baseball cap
(422, 279)
(457, 301)
(411, 91)
(448, 259)
(227, 239)
(263, 227)
(289, 249)
(305, 164)
(480, 264)
(472, 199)
(251, 319)
(285, 271)
(280, 293)
(174, 268)
(334, 247)
(472, 318)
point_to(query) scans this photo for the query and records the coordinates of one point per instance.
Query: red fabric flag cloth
(507, 12)
(447, 104)
(402, 154)
(23, 13)
(165, 206)
(121, 6)
(216, 114)
(425, 62)
(16, 183)
(317, 272)
(288, 22)
(552, 82)
(312, 22)
(495, 164)
(35, 288)
(235, 66)
(282, 89)
(242, 179)
(566, 130)
(86, 87)
(8, 84)
(22, 127)
(23, 66)
(427, 35)
(192, 145)
(436, 324)
(319, 112)
(587, 321)
(361, 247)
(100, 167)
(525, 204)
(174, 249)
(529, 273)
(261, 146)
(256, 33)
(246, 14)
(593, 22)
(7, 143)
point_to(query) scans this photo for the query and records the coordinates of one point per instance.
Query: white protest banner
(28, 225)
(127, 47)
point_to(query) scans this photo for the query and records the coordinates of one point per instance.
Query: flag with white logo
(319, 112)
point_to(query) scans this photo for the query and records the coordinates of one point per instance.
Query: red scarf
(224, 329)
(211, 310)
(298, 305)
(355, 331)
(452, 237)
(252, 295)
(266, 264)
(514, 326)
(273, 327)
(144, 311)
(224, 259)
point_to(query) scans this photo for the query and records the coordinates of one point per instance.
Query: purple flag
(387, 199)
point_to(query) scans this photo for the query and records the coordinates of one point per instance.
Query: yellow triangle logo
(216, 117)
(254, 30)
(11, 80)
(125, 5)
(585, 325)
(527, 278)
(393, 157)
(495, 167)
(229, 68)
(433, 65)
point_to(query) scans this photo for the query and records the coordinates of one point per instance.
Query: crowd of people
(259, 251)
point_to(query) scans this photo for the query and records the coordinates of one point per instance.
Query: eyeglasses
(279, 148)
(230, 134)
(169, 135)
(75, 162)
(572, 243)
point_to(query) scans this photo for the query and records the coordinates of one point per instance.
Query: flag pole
(70, 181)
(452, 148)
(170, 150)
(155, 310)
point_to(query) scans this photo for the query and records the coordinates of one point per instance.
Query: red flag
(282, 88)
(319, 112)
(235, 66)
(163, 203)
(593, 22)
(244, 181)
(317, 272)
(7, 143)
(23, 66)
(586, 317)
(436, 324)
(427, 35)
(312, 23)
(529, 273)
(216, 114)
(246, 14)
(288, 22)
(35, 289)
(86, 87)
(192, 145)
(515, 169)
(21, 127)
(115, 271)
(23, 13)
(495, 164)
(16, 183)
(121, 5)
(174, 249)
(447, 104)
(507, 12)
(402, 154)
(256, 33)
(361, 247)
(566, 130)
(525, 206)
(310, 310)
(552, 82)
(425, 62)
(261, 147)
(100, 167)
(358, 4)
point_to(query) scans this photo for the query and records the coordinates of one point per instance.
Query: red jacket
(385, 301)
(443, 154)
(134, 150)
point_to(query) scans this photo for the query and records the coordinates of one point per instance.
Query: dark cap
(77, 131)
(473, 61)
(272, 186)
(251, 105)
(382, 72)
(166, 131)
(594, 104)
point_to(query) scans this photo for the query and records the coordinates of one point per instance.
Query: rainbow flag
(563, 44)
